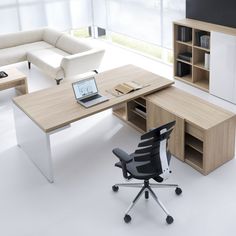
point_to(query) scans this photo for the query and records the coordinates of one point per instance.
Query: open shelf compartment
(194, 142)
(136, 113)
(201, 59)
(201, 78)
(183, 34)
(201, 39)
(194, 158)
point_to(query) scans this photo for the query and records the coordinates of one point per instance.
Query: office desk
(40, 114)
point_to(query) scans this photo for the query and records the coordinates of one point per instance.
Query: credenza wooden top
(189, 107)
(201, 25)
(56, 107)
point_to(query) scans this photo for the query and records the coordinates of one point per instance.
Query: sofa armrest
(80, 63)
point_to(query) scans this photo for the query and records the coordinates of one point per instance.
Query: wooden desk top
(193, 109)
(56, 107)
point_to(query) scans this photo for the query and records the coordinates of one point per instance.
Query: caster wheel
(146, 194)
(169, 220)
(115, 188)
(178, 191)
(127, 218)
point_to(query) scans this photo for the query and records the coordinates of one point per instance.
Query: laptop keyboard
(90, 98)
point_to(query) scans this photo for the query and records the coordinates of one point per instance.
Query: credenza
(204, 134)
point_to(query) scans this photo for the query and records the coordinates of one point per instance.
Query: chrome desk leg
(34, 142)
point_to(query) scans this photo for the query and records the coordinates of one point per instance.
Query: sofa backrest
(51, 36)
(19, 38)
(71, 45)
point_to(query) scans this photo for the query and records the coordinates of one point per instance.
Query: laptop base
(92, 102)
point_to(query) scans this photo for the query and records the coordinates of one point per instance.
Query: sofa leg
(58, 81)
(95, 71)
(29, 65)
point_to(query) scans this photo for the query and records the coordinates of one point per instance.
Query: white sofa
(57, 54)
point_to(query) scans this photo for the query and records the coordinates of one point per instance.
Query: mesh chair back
(152, 150)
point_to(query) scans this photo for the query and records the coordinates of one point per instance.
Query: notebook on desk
(128, 87)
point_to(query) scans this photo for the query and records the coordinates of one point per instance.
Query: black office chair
(150, 161)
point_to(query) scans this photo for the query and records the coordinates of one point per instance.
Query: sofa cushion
(51, 36)
(12, 55)
(19, 38)
(36, 46)
(18, 53)
(49, 60)
(71, 45)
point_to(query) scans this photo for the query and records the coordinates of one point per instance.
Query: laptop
(86, 92)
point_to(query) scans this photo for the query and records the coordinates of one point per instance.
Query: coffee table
(15, 79)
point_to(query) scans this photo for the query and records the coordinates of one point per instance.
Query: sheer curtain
(172, 10)
(146, 20)
(29, 14)
(139, 19)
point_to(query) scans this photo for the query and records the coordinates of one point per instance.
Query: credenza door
(223, 66)
(157, 116)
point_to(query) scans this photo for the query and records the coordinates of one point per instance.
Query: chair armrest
(83, 62)
(124, 159)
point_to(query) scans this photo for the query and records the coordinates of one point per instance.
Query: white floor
(81, 202)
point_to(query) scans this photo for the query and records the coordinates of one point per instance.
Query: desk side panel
(219, 146)
(34, 142)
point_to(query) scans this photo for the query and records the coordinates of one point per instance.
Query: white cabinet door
(223, 66)
(234, 98)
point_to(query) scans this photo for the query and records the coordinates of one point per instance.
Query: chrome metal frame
(146, 186)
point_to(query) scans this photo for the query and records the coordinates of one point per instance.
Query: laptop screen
(85, 88)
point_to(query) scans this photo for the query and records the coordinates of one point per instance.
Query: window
(143, 21)
(29, 14)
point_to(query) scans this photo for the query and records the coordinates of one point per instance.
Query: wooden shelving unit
(187, 78)
(202, 84)
(185, 43)
(199, 75)
(200, 65)
(202, 49)
(186, 62)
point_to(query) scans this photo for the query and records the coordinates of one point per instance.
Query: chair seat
(132, 169)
